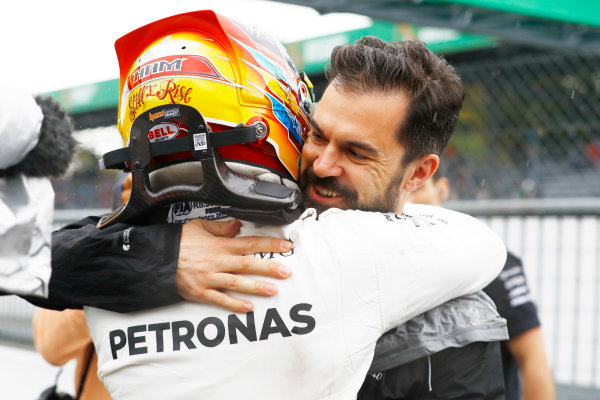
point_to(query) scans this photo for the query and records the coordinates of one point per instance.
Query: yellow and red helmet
(202, 73)
(233, 74)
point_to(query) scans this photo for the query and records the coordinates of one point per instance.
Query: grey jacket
(456, 323)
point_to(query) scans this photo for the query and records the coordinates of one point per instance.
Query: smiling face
(351, 158)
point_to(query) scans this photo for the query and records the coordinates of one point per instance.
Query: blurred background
(525, 156)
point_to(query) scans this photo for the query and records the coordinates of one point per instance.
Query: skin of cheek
(373, 183)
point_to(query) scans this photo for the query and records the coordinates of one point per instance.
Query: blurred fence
(559, 243)
(530, 128)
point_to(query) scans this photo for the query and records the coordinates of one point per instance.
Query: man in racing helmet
(357, 280)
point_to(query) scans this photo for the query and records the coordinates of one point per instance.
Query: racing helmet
(210, 110)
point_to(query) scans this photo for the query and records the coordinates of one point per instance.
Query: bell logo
(164, 131)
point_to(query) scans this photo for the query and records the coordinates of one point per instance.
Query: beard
(385, 201)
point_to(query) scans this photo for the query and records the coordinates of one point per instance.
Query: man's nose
(327, 163)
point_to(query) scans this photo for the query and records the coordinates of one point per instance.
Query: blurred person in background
(60, 336)
(524, 352)
(121, 192)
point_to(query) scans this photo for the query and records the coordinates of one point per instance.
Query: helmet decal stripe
(262, 74)
(220, 122)
(266, 63)
(284, 116)
(175, 65)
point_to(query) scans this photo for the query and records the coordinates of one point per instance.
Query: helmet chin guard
(250, 198)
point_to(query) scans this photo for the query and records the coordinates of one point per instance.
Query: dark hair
(434, 89)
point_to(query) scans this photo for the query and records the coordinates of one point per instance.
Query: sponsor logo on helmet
(173, 66)
(164, 131)
(170, 113)
(170, 91)
(153, 69)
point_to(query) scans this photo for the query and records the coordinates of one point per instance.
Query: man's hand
(210, 260)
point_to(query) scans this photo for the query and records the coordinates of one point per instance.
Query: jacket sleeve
(415, 261)
(451, 255)
(121, 268)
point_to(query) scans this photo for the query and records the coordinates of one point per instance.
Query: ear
(443, 187)
(420, 171)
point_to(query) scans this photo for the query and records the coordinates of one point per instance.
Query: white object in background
(26, 208)
(20, 124)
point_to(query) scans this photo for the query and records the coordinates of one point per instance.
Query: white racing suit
(355, 275)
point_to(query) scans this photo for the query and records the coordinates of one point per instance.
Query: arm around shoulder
(112, 268)
(424, 257)
(474, 253)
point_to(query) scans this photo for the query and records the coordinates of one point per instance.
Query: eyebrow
(371, 150)
(367, 148)
(314, 124)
